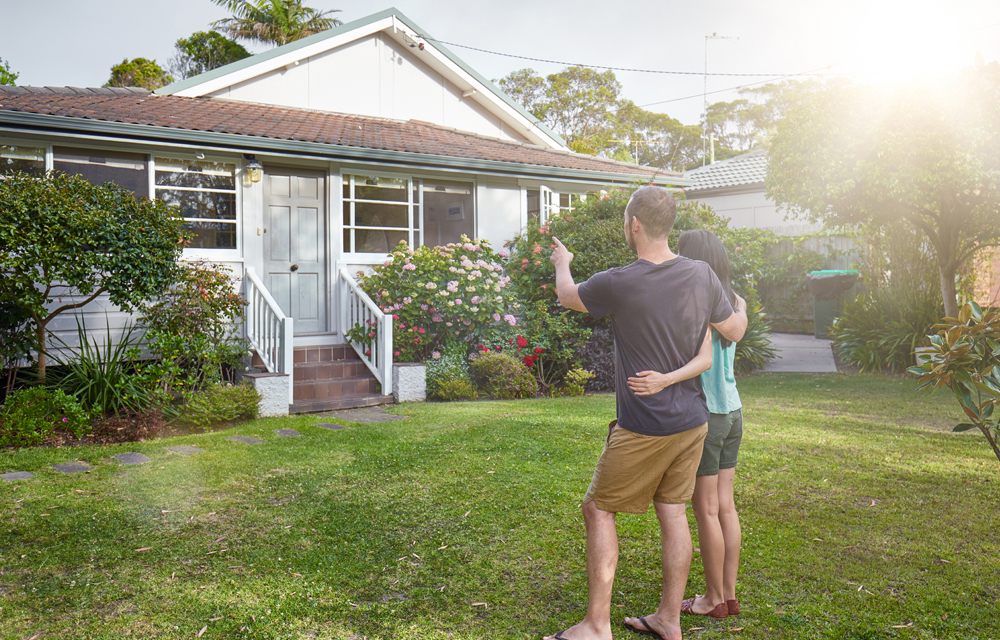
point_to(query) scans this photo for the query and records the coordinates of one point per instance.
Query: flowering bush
(31, 416)
(503, 376)
(454, 292)
(448, 374)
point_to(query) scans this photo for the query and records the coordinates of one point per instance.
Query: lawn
(864, 517)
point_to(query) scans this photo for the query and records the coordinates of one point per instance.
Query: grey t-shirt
(659, 315)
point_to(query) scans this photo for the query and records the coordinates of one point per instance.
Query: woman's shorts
(722, 444)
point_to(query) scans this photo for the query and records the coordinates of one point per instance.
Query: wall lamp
(254, 169)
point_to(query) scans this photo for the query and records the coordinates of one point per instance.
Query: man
(661, 307)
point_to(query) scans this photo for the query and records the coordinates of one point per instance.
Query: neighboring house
(299, 166)
(734, 188)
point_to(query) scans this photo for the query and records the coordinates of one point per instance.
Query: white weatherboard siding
(754, 209)
(373, 76)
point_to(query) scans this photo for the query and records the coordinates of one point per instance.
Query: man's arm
(733, 327)
(647, 383)
(569, 294)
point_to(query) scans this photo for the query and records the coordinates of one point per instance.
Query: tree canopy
(204, 51)
(65, 241)
(139, 72)
(927, 157)
(274, 22)
(7, 76)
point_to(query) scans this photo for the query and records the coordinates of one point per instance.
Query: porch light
(254, 169)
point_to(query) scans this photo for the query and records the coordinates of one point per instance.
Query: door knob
(295, 267)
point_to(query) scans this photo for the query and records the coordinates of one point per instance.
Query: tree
(7, 76)
(275, 22)
(65, 241)
(139, 72)
(204, 51)
(923, 156)
(657, 140)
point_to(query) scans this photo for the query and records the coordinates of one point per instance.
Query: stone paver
(331, 426)
(16, 475)
(131, 458)
(185, 449)
(801, 354)
(287, 433)
(71, 467)
(245, 439)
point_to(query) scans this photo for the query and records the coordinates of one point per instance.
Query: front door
(295, 246)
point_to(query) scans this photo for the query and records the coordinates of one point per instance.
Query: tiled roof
(140, 107)
(749, 168)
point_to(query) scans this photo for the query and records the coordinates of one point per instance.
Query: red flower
(498, 348)
(521, 342)
(529, 361)
(539, 350)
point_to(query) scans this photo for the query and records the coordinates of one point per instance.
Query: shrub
(574, 383)
(881, 329)
(128, 426)
(448, 374)
(438, 294)
(30, 416)
(218, 403)
(598, 357)
(503, 376)
(193, 329)
(103, 380)
(16, 344)
(754, 350)
(551, 341)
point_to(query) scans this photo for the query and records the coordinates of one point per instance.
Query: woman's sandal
(733, 606)
(720, 612)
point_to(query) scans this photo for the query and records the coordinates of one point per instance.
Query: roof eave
(142, 132)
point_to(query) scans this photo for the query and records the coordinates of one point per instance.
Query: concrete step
(316, 406)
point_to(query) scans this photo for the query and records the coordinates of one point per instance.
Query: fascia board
(277, 58)
(250, 144)
(443, 61)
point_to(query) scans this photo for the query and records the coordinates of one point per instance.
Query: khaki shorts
(635, 470)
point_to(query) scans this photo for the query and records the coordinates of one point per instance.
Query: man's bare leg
(676, 541)
(711, 542)
(729, 522)
(602, 561)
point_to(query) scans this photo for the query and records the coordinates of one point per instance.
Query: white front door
(295, 246)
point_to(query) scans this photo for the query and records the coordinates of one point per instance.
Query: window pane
(383, 189)
(195, 174)
(378, 240)
(212, 235)
(27, 159)
(372, 214)
(449, 212)
(129, 170)
(201, 204)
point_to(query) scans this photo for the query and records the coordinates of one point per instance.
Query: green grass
(860, 509)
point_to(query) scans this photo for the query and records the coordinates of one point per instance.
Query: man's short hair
(656, 209)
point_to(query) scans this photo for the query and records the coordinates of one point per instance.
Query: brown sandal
(734, 607)
(720, 612)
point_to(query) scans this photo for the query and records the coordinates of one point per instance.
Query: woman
(719, 533)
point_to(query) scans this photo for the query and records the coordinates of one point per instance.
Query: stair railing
(357, 309)
(269, 330)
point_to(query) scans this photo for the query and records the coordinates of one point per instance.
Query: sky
(76, 42)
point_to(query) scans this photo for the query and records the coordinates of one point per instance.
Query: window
(543, 203)
(27, 159)
(380, 212)
(129, 170)
(449, 211)
(205, 194)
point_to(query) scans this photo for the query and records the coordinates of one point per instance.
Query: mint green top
(719, 382)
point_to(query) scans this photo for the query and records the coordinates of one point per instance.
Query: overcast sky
(75, 42)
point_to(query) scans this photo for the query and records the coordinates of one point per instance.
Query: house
(299, 166)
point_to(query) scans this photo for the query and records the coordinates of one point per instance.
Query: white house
(299, 166)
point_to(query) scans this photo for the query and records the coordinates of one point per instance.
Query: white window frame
(21, 142)
(197, 253)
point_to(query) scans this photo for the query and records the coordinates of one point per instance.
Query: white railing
(356, 308)
(268, 329)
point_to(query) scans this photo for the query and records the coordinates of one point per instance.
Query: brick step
(338, 403)
(335, 370)
(309, 390)
(329, 353)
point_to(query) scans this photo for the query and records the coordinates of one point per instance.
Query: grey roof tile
(749, 168)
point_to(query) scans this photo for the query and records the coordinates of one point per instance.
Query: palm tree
(273, 21)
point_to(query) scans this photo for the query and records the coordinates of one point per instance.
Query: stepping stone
(131, 458)
(287, 433)
(185, 448)
(331, 426)
(71, 467)
(16, 475)
(245, 439)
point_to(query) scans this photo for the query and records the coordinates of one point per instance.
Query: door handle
(295, 267)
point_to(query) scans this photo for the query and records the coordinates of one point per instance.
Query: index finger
(556, 240)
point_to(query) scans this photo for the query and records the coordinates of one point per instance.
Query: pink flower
(65, 419)
(503, 253)
(437, 317)
(435, 355)
(396, 353)
(424, 307)
(409, 267)
(458, 301)
(368, 352)
(511, 320)
(421, 330)
(496, 317)
(395, 317)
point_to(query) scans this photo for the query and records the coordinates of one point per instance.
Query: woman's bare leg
(729, 522)
(711, 542)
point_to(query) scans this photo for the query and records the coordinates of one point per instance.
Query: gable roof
(747, 169)
(258, 128)
(397, 26)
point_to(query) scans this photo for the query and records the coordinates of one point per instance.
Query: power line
(598, 66)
